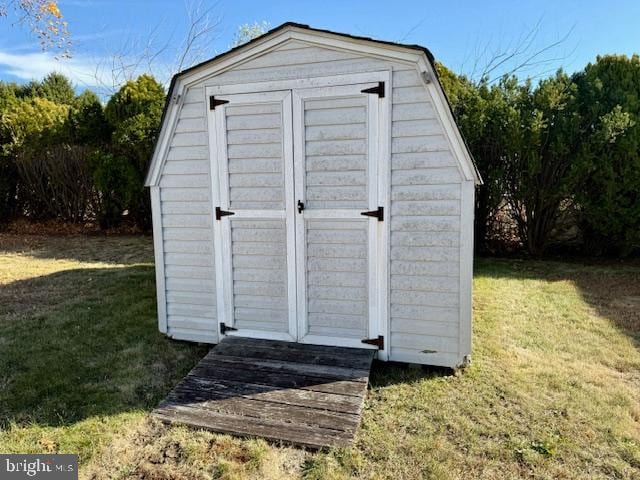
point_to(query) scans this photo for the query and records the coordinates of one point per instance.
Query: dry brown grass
(553, 391)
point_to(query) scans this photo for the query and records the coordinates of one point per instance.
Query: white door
(296, 182)
(336, 149)
(253, 199)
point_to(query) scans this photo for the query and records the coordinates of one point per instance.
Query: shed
(313, 187)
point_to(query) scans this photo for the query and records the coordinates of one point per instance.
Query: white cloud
(36, 65)
(103, 74)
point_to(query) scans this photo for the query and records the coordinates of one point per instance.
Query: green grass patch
(552, 392)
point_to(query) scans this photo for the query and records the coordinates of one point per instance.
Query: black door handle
(300, 206)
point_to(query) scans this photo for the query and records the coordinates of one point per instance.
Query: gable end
(291, 32)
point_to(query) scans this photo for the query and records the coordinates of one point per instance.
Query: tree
(488, 121)
(155, 54)
(43, 18)
(134, 113)
(29, 122)
(8, 94)
(608, 167)
(26, 126)
(116, 181)
(8, 172)
(537, 178)
(57, 88)
(249, 31)
(87, 123)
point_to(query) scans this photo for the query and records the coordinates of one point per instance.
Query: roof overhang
(410, 54)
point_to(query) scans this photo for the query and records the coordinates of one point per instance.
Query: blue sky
(460, 34)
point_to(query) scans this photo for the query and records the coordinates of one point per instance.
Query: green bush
(607, 167)
(134, 113)
(8, 189)
(30, 123)
(116, 182)
(27, 126)
(86, 123)
(56, 88)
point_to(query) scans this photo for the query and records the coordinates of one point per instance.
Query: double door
(299, 218)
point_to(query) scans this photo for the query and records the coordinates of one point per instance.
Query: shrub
(87, 123)
(608, 166)
(134, 113)
(57, 182)
(116, 182)
(26, 125)
(56, 88)
(30, 123)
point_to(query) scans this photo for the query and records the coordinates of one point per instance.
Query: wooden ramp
(300, 394)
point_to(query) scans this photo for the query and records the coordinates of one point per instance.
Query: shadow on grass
(612, 289)
(384, 374)
(85, 342)
(120, 250)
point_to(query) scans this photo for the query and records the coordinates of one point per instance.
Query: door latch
(222, 213)
(378, 213)
(300, 206)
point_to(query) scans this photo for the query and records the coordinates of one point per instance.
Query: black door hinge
(300, 206)
(224, 329)
(379, 90)
(214, 102)
(379, 213)
(222, 213)
(378, 342)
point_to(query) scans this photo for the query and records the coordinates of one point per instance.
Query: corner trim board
(466, 267)
(158, 252)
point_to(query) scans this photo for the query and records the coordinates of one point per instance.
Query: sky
(110, 36)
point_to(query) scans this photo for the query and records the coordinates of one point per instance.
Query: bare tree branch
(156, 53)
(493, 60)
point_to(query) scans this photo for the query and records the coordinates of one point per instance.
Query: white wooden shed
(313, 187)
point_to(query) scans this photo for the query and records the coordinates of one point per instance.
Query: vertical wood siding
(425, 203)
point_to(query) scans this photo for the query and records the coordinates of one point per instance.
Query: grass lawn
(553, 390)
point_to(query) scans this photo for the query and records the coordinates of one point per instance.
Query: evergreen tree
(56, 88)
(608, 167)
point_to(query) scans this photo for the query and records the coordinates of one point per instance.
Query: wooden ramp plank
(305, 395)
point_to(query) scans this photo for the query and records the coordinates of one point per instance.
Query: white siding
(337, 277)
(254, 150)
(303, 62)
(336, 153)
(186, 209)
(425, 231)
(425, 211)
(259, 274)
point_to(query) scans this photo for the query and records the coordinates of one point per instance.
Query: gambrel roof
(295, 31)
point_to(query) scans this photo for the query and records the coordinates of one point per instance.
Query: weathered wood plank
(254, 408)
(279, 380)
(238, 425)
(294, 352)
(308, 369)
(306, 395)
(226, 388)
